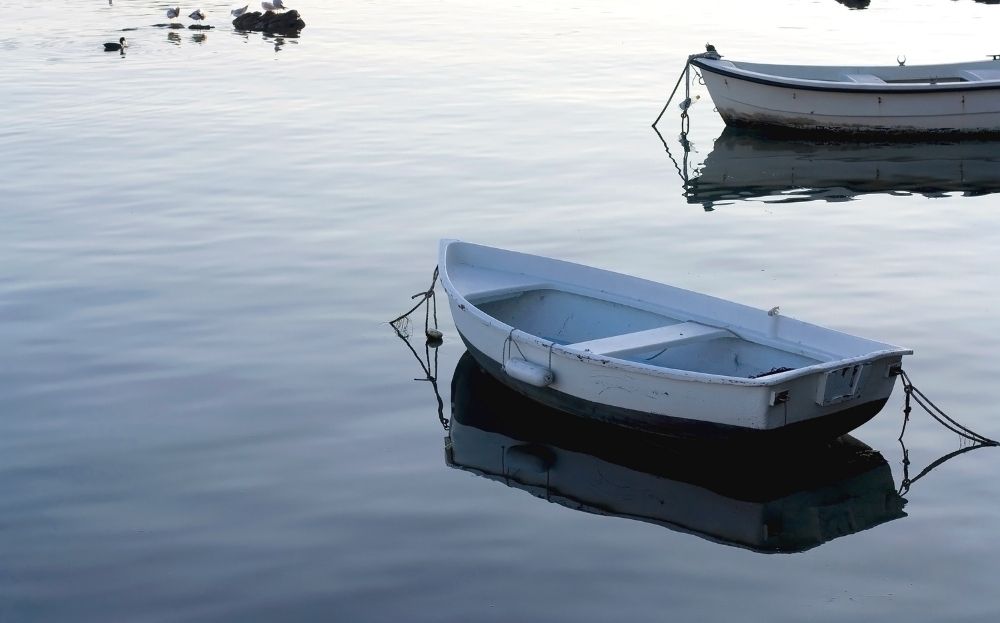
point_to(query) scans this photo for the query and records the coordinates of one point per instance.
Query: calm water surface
(206, 417)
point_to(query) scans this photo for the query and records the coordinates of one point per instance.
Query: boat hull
(647, 355)
(800, 108)
(816, 430)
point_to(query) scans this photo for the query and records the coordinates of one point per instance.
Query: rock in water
(285, 23)
(200, 27)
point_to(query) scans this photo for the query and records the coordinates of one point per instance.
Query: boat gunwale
(648, 369)
(828, 86)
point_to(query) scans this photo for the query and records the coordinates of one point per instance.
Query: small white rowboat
(655, 357)
(902, 99)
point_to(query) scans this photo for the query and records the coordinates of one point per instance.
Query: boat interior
(606, 328)
(985, 71)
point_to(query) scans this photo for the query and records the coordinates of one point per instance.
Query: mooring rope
(686, 77)
(429, 365)
(907, 482)
(701, 78)
(917, 396)
(684, 73)
(426, 298)
(508, 352)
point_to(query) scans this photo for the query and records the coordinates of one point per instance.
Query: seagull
(238, 12)
(115, 47)
(197, 14)
(267, 6)
(278, 5)
(172, 13)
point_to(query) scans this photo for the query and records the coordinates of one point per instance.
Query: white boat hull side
(748, 103)
(600, 381)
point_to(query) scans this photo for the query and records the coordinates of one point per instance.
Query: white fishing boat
(652, 356)
(770, 502)
(946, 98)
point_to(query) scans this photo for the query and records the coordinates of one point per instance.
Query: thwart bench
(660, 337)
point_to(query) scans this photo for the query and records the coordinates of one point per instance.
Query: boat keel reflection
(764, 501)
(750, 165)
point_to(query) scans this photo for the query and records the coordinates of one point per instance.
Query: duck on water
(115, 47)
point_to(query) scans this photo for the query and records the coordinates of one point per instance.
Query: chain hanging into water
(428, 364)
(711, 53)
(684, 105)
(917, 396)
(685, 73)
(907, 482)
(683, 173)
(429, 302)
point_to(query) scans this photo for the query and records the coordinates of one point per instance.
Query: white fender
(530, 373)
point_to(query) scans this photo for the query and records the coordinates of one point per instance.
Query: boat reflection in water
(766, 503)
(750, 165)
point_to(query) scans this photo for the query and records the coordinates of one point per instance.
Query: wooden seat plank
(660, 337)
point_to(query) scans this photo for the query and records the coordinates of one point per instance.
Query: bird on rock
(197, 15)
(173, 13)
(115, 47)
(238, 12)
(279, 5)
(267, 6)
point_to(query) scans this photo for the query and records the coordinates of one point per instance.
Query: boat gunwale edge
(844, 87)
(648, 369)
